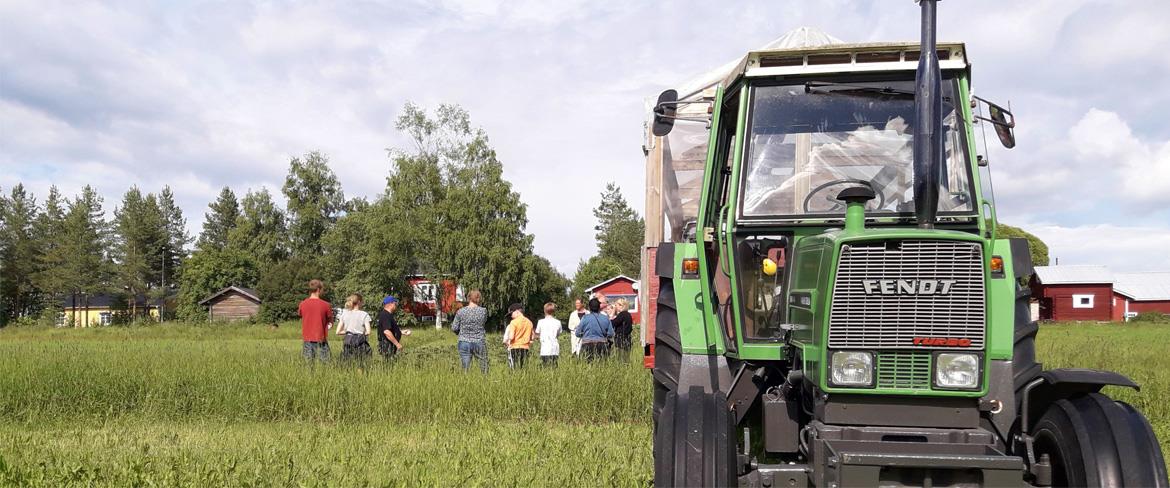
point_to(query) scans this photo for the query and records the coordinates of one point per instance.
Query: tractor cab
(790, 129)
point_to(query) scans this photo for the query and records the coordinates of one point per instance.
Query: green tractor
(838, 310)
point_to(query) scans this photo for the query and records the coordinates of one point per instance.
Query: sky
(199, 95)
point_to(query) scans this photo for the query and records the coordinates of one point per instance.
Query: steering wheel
(837, 205)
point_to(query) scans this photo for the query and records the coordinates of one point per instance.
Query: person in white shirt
(575, 318)
(547, 330)
(354, 324)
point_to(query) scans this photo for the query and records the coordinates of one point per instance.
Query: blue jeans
(477, 349)
(320, 350)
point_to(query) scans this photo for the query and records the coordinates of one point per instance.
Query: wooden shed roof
(247, 292)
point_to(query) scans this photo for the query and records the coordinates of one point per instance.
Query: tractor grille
(903, 370)
(888, 293)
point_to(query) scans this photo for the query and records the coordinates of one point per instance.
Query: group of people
(595, 328)
(353, 323)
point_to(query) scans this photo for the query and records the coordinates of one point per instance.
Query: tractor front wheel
(693, 442)
(1092, 440)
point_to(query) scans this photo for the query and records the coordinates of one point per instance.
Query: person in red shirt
(316, 316)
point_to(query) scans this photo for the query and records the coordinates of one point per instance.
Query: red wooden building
(620, 286)
(1091, 292)
(424, 305)
(1135, 293)
(1074, 292)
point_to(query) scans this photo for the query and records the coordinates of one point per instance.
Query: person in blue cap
(389, 334)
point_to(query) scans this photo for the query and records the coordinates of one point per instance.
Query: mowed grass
(235, 405)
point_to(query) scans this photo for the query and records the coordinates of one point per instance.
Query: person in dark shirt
(316, 316)
(623, 327)
(389, 334)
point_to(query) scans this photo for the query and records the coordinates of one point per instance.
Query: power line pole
(162, 301)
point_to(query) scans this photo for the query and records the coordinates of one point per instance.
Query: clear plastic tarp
(684, 151)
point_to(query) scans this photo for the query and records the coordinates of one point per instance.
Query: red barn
(1074, 292)
(620, 286)
(1089, 292)
(1135, 293)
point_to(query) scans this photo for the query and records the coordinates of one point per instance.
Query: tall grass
(1139, 351)
(212, 405)
(254, 374)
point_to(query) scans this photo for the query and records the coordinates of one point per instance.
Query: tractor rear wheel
(1093, 440)
(693, 442)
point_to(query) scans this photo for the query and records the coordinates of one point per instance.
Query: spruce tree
(19, 255)
(176, 245)
(52, 277)
(86, 247)
(219, 221)
(619, 231)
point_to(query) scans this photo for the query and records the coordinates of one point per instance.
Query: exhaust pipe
(928, 147)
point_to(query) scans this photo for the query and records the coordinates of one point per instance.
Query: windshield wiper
(830, 88)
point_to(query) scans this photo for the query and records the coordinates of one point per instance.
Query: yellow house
(103, 309)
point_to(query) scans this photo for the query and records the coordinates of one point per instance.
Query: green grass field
(235, 405)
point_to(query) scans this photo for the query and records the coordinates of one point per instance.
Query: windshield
(810, 141)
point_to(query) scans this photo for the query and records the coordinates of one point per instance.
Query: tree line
(65, 248)
(446, 213)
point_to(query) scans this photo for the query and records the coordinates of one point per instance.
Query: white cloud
(204, 95)
(1104, 140)
(1122, 248)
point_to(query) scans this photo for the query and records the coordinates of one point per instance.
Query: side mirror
(1004, 122)
(665, 112)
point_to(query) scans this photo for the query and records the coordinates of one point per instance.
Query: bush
(283, 286)
(1151, 317)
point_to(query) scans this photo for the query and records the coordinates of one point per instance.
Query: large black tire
(1093, 440)
(667, 346)
(1025, 367)
(693, 442)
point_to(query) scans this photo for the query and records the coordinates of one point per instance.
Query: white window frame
(633, 299)
(426, 291)
(1081, 296)
(105, 318)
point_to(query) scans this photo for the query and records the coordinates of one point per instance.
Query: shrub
(1151, 317)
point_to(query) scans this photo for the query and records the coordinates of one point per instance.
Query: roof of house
(1074, 274)
(611, 280)
(105, 300)
(1144, 286)
(1150, 285)
(247, 292)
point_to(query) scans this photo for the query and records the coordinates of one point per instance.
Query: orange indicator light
(996, 264)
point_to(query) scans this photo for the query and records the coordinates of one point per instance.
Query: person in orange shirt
(517, 336)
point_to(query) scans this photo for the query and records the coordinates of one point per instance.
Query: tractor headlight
(851, 368)
(956, 370)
